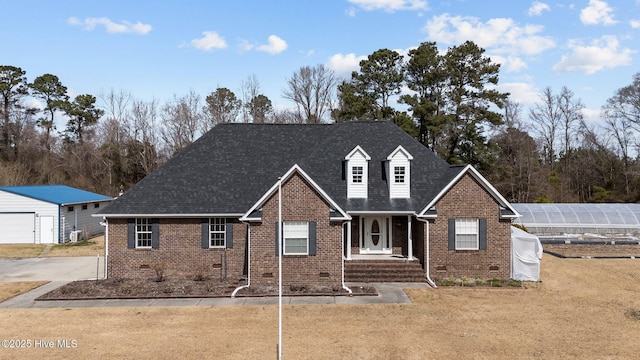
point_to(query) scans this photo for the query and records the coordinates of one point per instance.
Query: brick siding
(300, 202)
(180, 253)
(468, 199)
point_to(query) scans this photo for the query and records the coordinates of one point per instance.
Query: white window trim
(399, 172)
(359, 175)
(476, 233)
(146, 222)
(223, 232)
(284, 236)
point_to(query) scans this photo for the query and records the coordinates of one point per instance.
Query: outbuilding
(48, 214)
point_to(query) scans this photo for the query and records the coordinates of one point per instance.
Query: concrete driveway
(51, 269)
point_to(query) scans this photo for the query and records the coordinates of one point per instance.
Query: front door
(375, 235)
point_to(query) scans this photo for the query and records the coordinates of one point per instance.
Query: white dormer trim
(399, 173)
(357, 173)
(399, 149)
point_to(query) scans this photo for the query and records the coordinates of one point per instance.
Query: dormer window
(356, 173)
(398, 174)
(399, 171)
(357, 170)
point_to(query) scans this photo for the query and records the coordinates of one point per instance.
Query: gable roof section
(56, 194)
(506, 210)
(355, 150)
(249, 215)
(232, 166)
(402, 150)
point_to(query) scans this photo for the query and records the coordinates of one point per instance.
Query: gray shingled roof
(229, 168)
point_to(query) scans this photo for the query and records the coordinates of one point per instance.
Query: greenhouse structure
(581, 221)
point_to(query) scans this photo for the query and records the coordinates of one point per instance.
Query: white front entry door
(46, 230)
(375, 236)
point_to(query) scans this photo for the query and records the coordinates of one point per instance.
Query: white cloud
(345, 64)
(110, 26)
(635, 24)
(592, 116)
(275, 45)
(509, 63)
(537, 8)
(600, 54)
(390, 5)
(500, 35)
(350, 12)
(520, 92)
(210, 40)
(597, 12)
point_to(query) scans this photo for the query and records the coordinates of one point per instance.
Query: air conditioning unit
(75, 235)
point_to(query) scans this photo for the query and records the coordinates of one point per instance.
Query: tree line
(447, 100)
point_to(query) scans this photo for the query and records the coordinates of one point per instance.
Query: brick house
(359, 201)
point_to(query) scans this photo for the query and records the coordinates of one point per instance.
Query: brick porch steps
(383, 271)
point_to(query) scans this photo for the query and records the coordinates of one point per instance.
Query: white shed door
(17, 228)
(46, 230)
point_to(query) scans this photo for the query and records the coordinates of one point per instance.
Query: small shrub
(633, 314)
(159, 269)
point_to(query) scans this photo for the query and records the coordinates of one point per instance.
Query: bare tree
(116, 106)
(571, 115)
(144, 117)
(182, 121)
(622, 118)
(249, 90)
(546, 118)
(313, 90)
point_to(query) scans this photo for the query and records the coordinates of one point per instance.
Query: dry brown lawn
(14, 251)
(11, 289)
(91, 247)
(583, 309)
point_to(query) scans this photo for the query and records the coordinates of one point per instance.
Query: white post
(280, 251)
(348, 240)
(409, 239)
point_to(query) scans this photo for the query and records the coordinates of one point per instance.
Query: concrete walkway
(388, 293)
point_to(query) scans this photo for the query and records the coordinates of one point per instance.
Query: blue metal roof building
(56, 194)
(48, 214)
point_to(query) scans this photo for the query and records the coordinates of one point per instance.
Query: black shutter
(482, 224)
(312, 238)
(131, 233)
(277, 242)
(452, 234)
(228, 228)
(155, 233)
(205, 233)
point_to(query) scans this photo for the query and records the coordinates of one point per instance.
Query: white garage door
(17, 228)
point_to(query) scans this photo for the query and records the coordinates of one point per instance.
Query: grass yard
(11, 289)
(584, 308)
(90, 247)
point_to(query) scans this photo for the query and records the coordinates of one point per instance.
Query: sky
(158, 49)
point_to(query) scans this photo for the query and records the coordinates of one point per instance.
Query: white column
(348, 240)
(409, 239)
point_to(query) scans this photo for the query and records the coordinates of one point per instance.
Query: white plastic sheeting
(526, 253)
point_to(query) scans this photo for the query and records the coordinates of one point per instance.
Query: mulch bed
(592, 251)
(183, 288)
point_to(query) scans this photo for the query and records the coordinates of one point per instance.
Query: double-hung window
(357, 172)
(398, 174)
(467, 234)
(144, 233)
(296, 238)
(217, 233)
